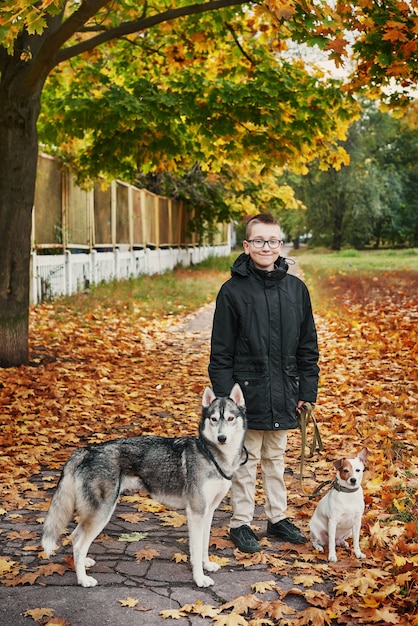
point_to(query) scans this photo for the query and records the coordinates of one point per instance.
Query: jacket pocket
(291, 382)
(252, 376)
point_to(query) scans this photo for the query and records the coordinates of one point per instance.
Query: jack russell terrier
(338, 514)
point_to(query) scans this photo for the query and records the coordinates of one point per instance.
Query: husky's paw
(210, 566)
(359, 554)
(204, 581)
(90, 562)
(317, 546)
(332, 558)
(87, 581)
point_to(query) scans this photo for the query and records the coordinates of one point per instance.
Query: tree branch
(128, 28)
(231, 30)
(50, 41)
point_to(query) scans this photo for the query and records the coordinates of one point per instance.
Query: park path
(158, 584)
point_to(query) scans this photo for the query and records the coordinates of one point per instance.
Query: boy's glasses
(273, 244)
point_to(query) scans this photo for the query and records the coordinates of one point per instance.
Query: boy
(264, 338)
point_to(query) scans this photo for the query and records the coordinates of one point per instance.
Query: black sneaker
(286, 531)
(244, 539)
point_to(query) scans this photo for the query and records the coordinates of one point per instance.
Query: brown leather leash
(305, 416)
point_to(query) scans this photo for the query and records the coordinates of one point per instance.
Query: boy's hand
(300, 404)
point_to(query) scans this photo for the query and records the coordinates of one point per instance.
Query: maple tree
(368, 338)
(38, 36)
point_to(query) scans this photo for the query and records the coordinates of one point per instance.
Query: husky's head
(223, 418)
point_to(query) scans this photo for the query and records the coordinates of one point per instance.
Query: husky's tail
(60, 511)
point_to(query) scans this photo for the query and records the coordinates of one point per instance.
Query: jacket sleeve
(224, 333)
(308, 354)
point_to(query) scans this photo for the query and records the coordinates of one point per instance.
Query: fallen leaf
(38, 614)
(129, 602)
(129, 537)
(147, 554)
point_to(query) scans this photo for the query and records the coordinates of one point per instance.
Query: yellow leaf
(38, 614)
(129, 602)
(205, 610)
(399, 560)
(6, 565)
(385, 616)
(132, 518)
(172, 613)
(173, 519)
(307, 580)
(400, 505)
(56, 621)
(262, 587)
(275, 609)
(178, 557)
(232, 619)
(146, 554)
(241, 604)
(220, 560)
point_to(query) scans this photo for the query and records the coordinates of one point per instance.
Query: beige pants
(267, 447)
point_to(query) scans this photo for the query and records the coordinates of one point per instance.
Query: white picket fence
(66, 274)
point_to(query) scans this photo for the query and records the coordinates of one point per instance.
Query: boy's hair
(261, 218)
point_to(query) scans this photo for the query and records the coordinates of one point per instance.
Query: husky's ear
(362, 455)
(237, 396)
(208, 397)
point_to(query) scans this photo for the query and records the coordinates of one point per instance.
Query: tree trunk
(337, 230)
(18, 158)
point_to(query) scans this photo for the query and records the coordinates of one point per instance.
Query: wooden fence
(119, 215)
(81, 237)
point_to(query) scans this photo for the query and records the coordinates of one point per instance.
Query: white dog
(338, 514)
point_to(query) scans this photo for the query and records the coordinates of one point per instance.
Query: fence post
(34, 278)
(131, 217)
(93, 257)
(113, 209)
(116, 263)
(68, 273)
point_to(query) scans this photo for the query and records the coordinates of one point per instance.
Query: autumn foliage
(107, 373)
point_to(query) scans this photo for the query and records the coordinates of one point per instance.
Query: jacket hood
(244, 265)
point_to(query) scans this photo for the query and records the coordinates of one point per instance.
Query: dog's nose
(221, 438)
(353, 480)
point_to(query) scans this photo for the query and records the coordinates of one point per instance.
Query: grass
(184, 290)
(364, 261)
(181, 291)
(328, 274)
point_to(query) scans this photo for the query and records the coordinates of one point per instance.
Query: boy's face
(265, 257)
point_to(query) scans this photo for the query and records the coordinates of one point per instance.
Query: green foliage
(267, 114)
(373, 200)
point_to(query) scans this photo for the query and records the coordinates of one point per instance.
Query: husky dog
(191, 473)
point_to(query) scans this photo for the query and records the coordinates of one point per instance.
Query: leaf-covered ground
(104, 374)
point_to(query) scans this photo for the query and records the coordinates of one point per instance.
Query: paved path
(157, 585)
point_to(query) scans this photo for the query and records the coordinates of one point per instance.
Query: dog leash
(205, 450)
(305, 416)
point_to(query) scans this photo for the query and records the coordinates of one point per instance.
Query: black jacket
(264, 338)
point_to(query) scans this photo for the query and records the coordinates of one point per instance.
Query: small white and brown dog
(338, 514)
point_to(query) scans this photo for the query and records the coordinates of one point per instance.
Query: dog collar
(336, 485)
(205, 450)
